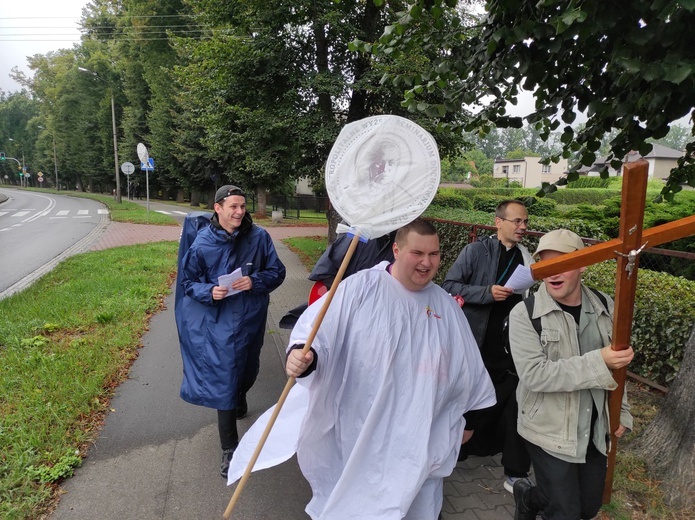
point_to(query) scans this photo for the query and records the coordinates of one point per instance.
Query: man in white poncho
(391, 372)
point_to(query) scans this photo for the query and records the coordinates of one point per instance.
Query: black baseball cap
(226, 191)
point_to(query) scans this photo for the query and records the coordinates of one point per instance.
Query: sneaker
(242, 407)
(509, 483)
(522, 498)
(226, 460)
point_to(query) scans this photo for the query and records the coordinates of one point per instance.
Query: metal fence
(676, 263)
(300, 206)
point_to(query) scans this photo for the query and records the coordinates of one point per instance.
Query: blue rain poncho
(221, 339)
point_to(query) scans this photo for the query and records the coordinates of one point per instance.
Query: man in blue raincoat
(221, 326)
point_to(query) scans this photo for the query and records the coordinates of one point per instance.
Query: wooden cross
(627, 247)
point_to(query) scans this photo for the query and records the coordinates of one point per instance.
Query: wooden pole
(291, 380)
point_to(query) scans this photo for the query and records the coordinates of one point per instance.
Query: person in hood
(391, 372)
(220, 327)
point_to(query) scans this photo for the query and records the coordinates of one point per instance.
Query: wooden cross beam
(630, 242)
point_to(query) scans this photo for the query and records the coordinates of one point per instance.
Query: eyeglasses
(516, 221)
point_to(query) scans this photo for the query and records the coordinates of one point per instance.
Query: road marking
(103, 212)
(3, 213)
(83, 212)
(62, 212)
(180, 212)
(20, 213)
(162, 212)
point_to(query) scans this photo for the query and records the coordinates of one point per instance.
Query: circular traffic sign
(127, 168)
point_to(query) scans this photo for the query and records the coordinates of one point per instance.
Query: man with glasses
(478, 275)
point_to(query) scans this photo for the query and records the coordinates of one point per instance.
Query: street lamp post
(23, 179)
(115, 141)
(55, 161)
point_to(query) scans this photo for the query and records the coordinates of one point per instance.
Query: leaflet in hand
(521, 279)
(226, 280)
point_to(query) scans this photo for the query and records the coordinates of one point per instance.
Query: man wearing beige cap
(564, 362)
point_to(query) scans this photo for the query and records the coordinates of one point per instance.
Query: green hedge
(589, 182)
(664, 306)
(594, 196)
(452, 198)
(663, 319)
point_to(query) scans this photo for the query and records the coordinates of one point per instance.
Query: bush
(488, 181)
(589, 182)
(486, 203)
(451, 198)
(583, 196)
(541, 207)
(663, 318)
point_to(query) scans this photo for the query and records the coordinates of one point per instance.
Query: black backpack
(536, 322)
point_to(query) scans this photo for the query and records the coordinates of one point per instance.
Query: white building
(529, 171)
(661, 160)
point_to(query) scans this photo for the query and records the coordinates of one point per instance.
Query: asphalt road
(39, 230)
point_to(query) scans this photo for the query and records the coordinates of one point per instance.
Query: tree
(276, 82)
(666, 444)
(628, 64)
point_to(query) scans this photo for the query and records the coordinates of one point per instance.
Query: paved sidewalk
(158, 457)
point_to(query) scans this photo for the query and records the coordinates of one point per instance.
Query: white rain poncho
(396, 371)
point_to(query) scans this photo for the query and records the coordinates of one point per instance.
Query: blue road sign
(149, 167)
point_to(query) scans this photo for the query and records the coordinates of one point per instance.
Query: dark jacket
(472, 275)
(217, 336)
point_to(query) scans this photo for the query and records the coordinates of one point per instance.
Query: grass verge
(308, 249)
(127, 211)
(65, 344)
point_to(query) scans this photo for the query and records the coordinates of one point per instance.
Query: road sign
(143, 154)
(127, 168)
(149, 166)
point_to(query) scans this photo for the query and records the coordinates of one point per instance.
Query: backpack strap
(536, 322)
(601, 297)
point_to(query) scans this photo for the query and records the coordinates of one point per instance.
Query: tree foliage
(629, 65)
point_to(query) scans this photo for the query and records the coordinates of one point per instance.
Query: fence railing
(676, 263)
(300, 206)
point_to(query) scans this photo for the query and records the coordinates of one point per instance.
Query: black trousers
(567, 491)
(226, 426)
(495, 431)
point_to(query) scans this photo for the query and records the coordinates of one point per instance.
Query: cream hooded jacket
(553, 371)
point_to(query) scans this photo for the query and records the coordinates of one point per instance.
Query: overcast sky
(29, 27)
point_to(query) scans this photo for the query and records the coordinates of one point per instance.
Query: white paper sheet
(521, 279)
(226, 280)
